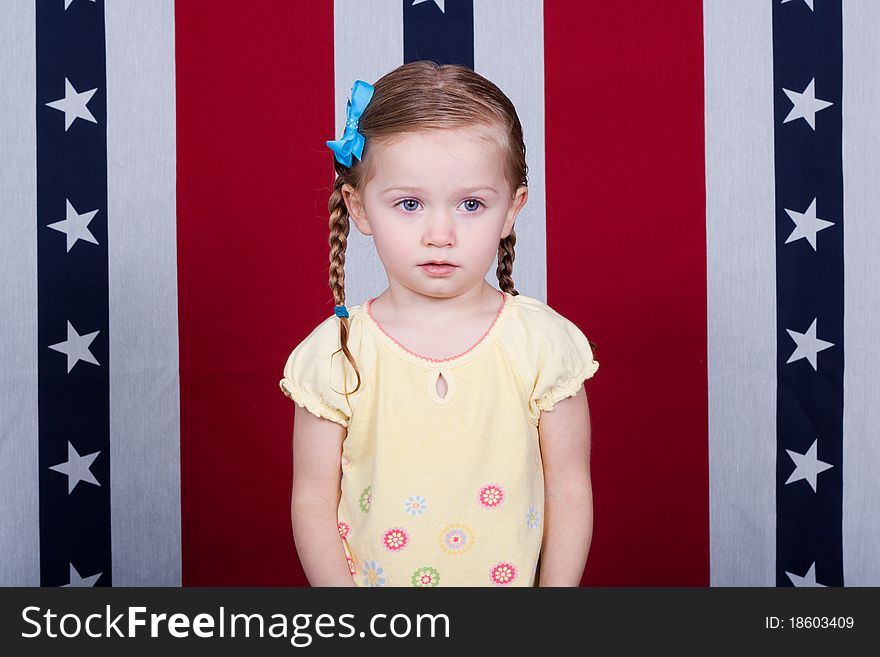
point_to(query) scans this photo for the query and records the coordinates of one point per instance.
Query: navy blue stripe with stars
(807, 73)
(72, 289)
(439, 30)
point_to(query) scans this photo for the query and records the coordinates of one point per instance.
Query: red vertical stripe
(625, 176)
(255, 94)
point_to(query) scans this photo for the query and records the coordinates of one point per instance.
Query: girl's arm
(317, 450)
(568, 491)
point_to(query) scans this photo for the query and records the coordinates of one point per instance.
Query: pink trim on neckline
(439, 360)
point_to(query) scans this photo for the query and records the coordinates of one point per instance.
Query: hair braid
(506, 256)
(339, 227)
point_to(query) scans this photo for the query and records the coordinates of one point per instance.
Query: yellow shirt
(449, 490)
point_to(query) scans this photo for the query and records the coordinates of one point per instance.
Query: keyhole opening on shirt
(442, 388)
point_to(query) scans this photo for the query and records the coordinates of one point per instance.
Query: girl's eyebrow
(419, 190)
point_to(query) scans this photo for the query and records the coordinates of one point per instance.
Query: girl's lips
(437, 270)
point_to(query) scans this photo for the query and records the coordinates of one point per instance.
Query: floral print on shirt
(425, 577)
(533, 518)
(456, 539)
(366, 499)
(415, 505)
(491, 496)
(374, 574)
(395, 539)
(502, 573)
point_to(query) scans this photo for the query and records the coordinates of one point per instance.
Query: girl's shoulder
(551, 353)
(325, 336)
(532, 320)
(317, 369)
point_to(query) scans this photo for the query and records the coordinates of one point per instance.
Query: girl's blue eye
(472, 205)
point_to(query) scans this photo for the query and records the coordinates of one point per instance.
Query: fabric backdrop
(693, 165)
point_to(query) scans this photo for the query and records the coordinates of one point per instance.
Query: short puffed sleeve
(565, 360)
(314, 371)
(550, 351)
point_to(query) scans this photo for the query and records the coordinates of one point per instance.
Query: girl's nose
(439, 229)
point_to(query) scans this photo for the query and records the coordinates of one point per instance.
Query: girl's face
(436, 196)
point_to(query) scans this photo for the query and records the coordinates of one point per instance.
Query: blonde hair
(417, 97)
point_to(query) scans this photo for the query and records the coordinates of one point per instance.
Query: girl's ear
(355, 207)
(519, 200)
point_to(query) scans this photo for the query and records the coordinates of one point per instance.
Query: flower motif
(374, 574)
(490, 496)
(533, 518)
(425, 577)
(366, 499)
(395, 539)
(415, 505)
(502, 573)
(350, 566)
(344, 529)
(456, 539)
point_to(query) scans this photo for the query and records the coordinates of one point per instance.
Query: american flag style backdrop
(703, 204)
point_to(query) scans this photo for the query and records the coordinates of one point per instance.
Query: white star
(67, 3)
(807, 466)
(808, 345)
(805, 104)
(76, 468)
(809, 3)
(76, 226)
(439, 3)
(806, 224)
(74, 104)
(808, 579)
(76, 347)
(76, 580)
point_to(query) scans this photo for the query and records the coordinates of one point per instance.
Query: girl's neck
(396, 305)
(442, 335)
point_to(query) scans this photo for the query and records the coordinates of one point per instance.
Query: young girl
(430, 448)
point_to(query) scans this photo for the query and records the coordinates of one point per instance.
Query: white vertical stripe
(367, 45)
(741, 267)
(861, 318)
(19, 492)
(141, 215)
(509, 51)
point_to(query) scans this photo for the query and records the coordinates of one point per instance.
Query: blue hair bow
(352, 141)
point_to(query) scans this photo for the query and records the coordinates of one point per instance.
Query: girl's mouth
(437, 270)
